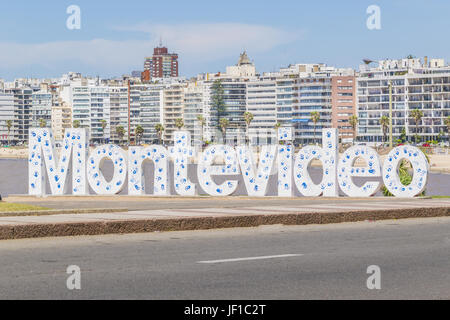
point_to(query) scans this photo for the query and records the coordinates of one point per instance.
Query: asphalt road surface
(269, 262)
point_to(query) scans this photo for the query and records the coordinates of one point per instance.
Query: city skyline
(115, 38)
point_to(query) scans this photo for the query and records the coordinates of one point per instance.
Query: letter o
(420, 167)
(95, 177)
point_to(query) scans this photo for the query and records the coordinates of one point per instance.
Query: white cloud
(196, 44)
(217, 40)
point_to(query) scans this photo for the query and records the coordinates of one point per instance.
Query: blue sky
(115, 36)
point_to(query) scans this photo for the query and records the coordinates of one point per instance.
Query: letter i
(285, 154)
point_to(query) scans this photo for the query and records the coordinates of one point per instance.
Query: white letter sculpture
(136, 158)
(285, 156)
(95, 177)
(41, 150)
(256, 179)
(328, 155)
(205, 170)
(420, 170)
(180, 153)
(346, 171)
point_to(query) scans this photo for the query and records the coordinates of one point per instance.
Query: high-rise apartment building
(415, 85)
(193, 108)
(7, 116)
(41, 109)
(22, 112)
(173, 105)
(262, 103)
(61, 119)
(151, 113)
(343, 105)
(118, 96)
(161, 65)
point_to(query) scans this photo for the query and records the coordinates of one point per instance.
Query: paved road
(301, 262)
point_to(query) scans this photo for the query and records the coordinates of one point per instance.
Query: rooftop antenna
(160, 41)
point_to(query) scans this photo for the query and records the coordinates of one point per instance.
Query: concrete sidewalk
(192, 217)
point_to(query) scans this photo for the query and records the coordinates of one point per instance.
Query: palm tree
(315, 117)
(417, 115)
(104, 124)
(9, 124)
(353, 120)
(277, 125)
(42, 123)
(384, 122)
(120, 131)
(139, 132)
(76, 123)
(248, 117)
(446, 122)
(159, 128)
(179, 123)
(202, 122)
(223, 126)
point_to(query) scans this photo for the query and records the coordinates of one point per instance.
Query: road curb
(59, 211)
(203, 223)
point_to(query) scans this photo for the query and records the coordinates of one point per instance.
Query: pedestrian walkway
(150, 220)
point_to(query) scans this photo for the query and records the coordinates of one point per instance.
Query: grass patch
(440, 197)
(10, 207)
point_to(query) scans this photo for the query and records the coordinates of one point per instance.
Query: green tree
(248, 117)
(159, 128)
(402, 138)
(104, 124)
(384, 122)
(353, 120)
(76, 124)
(277, 126)
(9, 124)
(120, 131)
(224, 123)
(42, 123)
(417, 115)
(217, 100)
(315, 117)
(447, 123)
(139, 133)
(179, 123)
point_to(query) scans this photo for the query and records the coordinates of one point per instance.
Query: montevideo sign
(292, 169)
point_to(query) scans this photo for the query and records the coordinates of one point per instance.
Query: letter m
(41, 152)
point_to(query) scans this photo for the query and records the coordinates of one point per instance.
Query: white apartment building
(61, 119)
(151, 113)
(173, 108)
(262, 103)
(41, 109)
(22, 112)
(90, 105)
(193, 108)
(415, 85)
(6, 114)
(118, 96)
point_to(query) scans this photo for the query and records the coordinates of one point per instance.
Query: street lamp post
(390, 114)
